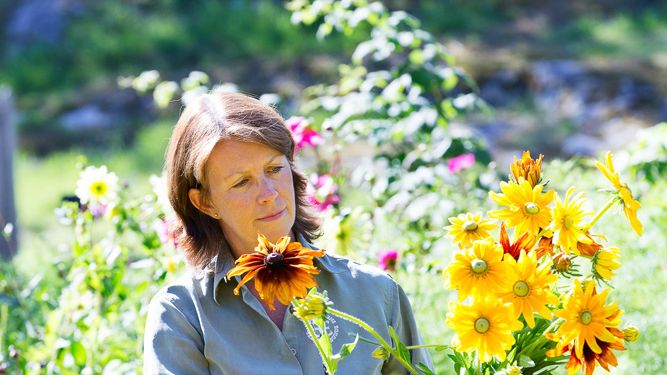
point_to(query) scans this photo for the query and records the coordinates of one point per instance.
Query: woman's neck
(277, 315)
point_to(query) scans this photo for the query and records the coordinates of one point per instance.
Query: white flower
(159, 184)
(97, 186)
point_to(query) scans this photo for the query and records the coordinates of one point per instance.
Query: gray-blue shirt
(197, 326)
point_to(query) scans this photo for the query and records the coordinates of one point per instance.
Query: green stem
(552, 325)
(370, 330)
(4, 321)
(426, 346)
(601, 212)
(324, 356)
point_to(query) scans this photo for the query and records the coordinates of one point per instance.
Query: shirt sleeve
(403, 322)
(171, 344)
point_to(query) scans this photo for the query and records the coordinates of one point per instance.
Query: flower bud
(527, 168)
(380, 353)
(562, 262)
(631, 334)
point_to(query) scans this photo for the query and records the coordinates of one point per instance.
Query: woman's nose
(267, 192)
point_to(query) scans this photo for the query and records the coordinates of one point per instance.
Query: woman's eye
(276, 169)
(241, 183)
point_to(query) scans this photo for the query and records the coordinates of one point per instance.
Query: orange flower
(527, 168)
(589, 329)
(605, 358)
(588, 250)
(525, 242)
(281, 271)
(545, 246)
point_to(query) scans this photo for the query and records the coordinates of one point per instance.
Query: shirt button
(292, 350)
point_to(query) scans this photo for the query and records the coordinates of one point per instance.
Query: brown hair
(206, 121)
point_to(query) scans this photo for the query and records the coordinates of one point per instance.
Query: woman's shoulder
(184, 291)
(355, 270)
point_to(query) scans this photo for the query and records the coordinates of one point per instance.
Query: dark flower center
(273, 258)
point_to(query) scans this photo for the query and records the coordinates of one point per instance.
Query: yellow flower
(530, 287)
(630, 205)
(478, 270)
(468, 227)
(281, 271)
(526, 207)
(486, 326)
(568, 219)
(587, 319)
(313, 306)
(527, 168)
(605, 262)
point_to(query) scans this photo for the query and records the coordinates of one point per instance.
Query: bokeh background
(569, 80)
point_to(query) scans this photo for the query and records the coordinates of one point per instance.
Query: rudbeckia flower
(568, 222)
(478, 270)
(587, 319)
(605, 358)
(586, 357)
(281, 271)
(630, 205)
(486, 326)
(526, 207)
(530, 289)
(605, 262)
(468, 227)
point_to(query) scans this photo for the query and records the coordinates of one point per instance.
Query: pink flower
(388, 259)
(97, 210)
(303, 135)
(164, 231)
(461, 162)
(321, 192)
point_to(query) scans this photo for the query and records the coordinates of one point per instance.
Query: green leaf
(402, 349)
(79, 353)
(424, 369)
(394, 336)
(526, 361)
(346, 349)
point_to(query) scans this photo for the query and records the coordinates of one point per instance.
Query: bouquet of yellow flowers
(523, 305)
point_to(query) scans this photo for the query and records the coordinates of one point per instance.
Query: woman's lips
(274, 217)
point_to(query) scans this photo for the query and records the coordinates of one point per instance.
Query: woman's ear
(198, 199)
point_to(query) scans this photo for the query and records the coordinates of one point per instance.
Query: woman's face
(251, 191)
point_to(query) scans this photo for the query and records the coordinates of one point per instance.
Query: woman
(231, 175)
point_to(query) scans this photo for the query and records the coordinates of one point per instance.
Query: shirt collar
(224, 262)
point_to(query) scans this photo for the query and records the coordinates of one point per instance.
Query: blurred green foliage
(97, 283)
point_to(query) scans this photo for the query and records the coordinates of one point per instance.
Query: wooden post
(8, 246)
